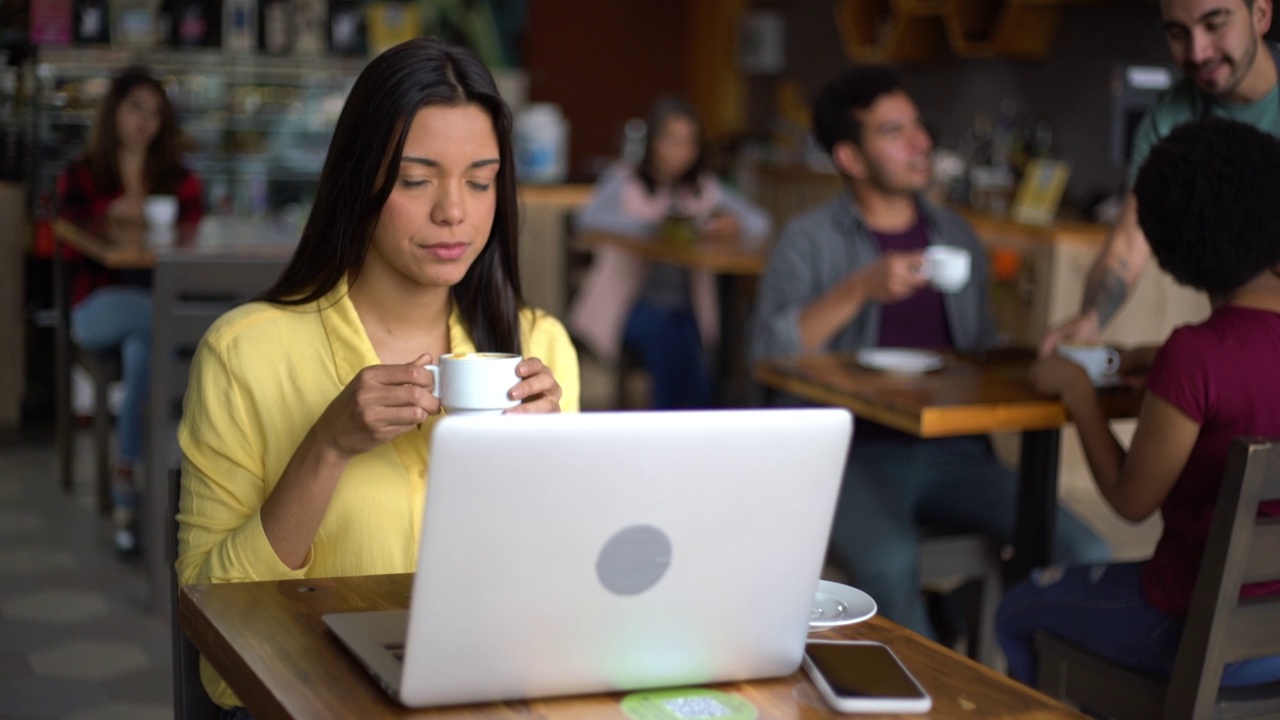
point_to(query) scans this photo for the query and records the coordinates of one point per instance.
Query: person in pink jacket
(665, 314)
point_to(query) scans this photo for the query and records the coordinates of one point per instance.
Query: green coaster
(687, 704)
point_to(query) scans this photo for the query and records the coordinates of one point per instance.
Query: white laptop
(602, 552)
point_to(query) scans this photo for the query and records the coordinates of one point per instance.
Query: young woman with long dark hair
(307, 419)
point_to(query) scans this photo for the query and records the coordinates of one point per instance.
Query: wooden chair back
(1222, 627)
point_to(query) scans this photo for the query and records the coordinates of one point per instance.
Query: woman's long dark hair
(164, 171)
(665, 109)
(360, 172)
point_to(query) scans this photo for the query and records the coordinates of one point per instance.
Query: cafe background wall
(604, 63)
(1071, 88)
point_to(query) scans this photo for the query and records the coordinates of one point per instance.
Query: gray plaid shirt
(821, 247)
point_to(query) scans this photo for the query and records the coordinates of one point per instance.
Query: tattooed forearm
(1105, 294)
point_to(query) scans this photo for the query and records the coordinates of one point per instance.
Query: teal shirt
(1184, 102)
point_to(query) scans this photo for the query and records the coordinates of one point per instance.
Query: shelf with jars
(913, 31)
(255, 128)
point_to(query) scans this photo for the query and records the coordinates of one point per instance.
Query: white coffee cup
(477, 383)
(1099, 361)
(947, 267)
(160, 210)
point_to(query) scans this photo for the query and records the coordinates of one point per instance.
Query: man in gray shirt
(847, 276)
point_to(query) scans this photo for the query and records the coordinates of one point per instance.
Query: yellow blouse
(260, 379)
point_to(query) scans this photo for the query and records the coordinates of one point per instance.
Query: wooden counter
(1049, 285)
(544, 241)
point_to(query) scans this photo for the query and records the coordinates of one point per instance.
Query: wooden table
(730, 260)
(736, 269)
(970, 395)
(269, 643)
(232, 244)
(129, 246)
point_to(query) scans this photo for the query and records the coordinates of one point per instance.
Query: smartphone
(858, 677)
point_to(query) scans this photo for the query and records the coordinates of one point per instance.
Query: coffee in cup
(946, 267)
(477, 383)
(1099, 361)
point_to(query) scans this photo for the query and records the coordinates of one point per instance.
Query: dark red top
(79, 199)
(919, 321)
(1222, 374)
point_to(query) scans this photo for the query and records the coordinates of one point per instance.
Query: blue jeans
(671, 348)
(1103, 609)
(893, 486)
(119, 316)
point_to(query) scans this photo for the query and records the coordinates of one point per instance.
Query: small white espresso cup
(160, 210)
(947, 267)
(1099, 361)
(475, 383)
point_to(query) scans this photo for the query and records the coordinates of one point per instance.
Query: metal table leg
(1036, 524)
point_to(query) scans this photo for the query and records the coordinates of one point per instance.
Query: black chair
(190, 700)
(189, 294)
(103, 368)
(949, 560)
(1220, 627)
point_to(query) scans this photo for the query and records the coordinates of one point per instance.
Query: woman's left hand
(537, 391)
(1057, 376)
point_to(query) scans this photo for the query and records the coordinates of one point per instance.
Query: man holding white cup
(881, 266)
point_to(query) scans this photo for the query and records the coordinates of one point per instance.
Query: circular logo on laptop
(633, 560)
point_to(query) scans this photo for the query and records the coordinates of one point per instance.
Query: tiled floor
(77, 642)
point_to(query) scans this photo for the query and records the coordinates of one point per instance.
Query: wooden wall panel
(604, 62)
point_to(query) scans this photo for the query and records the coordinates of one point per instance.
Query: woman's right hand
(380, 403)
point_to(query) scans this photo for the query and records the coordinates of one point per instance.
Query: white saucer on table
(835, 604)
(900, 360)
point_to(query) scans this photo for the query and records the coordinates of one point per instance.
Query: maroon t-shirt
(919, 321)
(1222, 374)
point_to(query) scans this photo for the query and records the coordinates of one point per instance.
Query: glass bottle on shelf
(239, 26)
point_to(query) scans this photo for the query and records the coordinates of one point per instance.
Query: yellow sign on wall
(1040, 191)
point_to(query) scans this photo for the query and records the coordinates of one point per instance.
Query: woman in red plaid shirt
(132, 153)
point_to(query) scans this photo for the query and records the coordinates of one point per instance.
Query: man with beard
(848, 275)
(1229, 71)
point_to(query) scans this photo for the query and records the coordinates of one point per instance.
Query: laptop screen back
(615, 551)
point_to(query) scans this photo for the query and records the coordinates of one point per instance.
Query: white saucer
(900, 360)
(835, 604)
